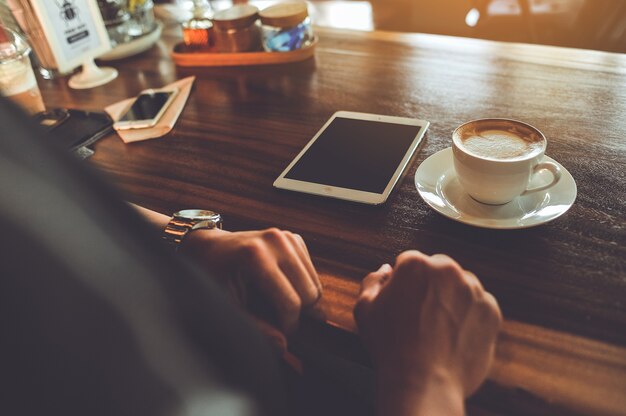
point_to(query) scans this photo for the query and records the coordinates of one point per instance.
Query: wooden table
(561, 286)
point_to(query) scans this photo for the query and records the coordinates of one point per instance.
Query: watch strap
(176, 230)
(179, 226)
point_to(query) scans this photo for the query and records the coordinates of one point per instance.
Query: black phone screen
(355, 154)
(147, 106)
(72, 129)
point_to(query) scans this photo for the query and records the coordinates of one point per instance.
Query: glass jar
(116, 19)
(141, 17)
(200, 9)
(198, 31)
(286, 27)
(236, 29)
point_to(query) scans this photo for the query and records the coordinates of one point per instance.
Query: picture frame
(74, 30)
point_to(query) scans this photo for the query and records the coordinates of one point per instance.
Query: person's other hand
(430, 328)
(274, 263)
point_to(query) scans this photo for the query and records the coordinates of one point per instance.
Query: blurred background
(589, 24)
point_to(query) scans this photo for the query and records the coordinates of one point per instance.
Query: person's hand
(272, 263)
(430, 328)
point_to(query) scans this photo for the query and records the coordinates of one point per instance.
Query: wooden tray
(182, 58)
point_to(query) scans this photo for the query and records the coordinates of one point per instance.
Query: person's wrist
(418, 391)
(200, 238)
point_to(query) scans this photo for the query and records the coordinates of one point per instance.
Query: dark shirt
(97, 317)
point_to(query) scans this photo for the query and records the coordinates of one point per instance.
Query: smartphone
(72, 129)
(147, 109)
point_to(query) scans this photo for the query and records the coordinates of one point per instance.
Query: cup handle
(556, 174)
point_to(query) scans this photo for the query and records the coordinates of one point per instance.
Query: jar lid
(284, 14)
(198, 24)
(237, 17)
(12, 45)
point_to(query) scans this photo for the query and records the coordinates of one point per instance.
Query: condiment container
(236, 30)
(197, 33)
(286, 27)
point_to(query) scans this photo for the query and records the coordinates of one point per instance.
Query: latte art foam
(500, 140)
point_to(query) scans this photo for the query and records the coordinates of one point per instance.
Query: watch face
(197, 215)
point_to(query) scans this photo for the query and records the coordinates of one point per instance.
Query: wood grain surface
(561, 286)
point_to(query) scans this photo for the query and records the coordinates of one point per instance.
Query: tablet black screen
(355, 154)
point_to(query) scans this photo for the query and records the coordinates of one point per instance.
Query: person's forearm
(432, 396)
(158, 220)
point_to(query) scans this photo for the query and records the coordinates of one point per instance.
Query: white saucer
(439, 187)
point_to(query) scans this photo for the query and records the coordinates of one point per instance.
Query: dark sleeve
(96, 317)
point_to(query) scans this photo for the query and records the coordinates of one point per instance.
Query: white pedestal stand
(92, 76)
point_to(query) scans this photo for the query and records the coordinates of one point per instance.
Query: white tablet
(355, 156)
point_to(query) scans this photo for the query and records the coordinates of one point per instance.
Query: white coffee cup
(496, 159)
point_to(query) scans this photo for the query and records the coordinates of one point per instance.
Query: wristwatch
(184, 221)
